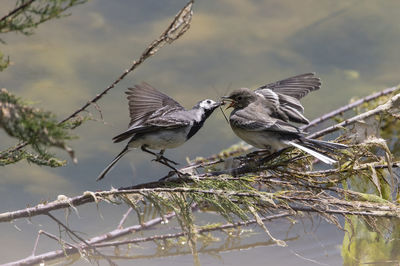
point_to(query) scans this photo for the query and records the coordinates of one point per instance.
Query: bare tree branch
(41, 232)
(91, 242)
(99, 242)
(84, 242)
(200, 231)
(87, 197)
(348, 107)
(393, 102)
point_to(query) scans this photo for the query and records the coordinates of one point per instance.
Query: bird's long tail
(111, 165)
(312, 146)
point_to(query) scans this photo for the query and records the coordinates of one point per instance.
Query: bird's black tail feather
(122, 136)
(111, 165)
(324, 145)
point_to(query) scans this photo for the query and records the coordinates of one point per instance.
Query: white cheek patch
(204, 104)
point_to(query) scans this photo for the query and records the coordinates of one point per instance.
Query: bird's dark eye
(208, 101)
(239, 98)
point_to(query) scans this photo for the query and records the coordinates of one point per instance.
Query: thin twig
(200, 231)
(36, 243)
(381, 108)
(17, 10)
(41, 232)
(93, 241)
(181, 23)
(121, 223)
(348, 107)
(88, 245)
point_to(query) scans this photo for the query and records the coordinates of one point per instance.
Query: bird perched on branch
(159, 122)
(262, 117)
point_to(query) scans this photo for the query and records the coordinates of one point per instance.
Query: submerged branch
(104, 241)
(89, 244)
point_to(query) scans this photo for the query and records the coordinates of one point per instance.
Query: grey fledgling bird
(159, 122)
(261, 117)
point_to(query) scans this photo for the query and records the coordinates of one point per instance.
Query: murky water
(352, 45)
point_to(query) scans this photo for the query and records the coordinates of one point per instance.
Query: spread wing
(285, 94)
(145, 102)
(296, 87)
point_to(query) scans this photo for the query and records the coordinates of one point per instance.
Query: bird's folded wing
(260, 123)
(296, 87)
(152, 125)
(145, 101)
(168, 121)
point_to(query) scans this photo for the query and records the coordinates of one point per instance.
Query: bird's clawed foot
(271, 156)
(172, 173)
(160, 158)
(259, 153)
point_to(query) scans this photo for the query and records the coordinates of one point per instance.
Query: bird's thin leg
(162, 160)
(259, 153)
(254, 154)
(143, 148)
(273, 155)
(161, 156)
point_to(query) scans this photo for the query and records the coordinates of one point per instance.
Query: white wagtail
(159, 122)
(261, 117)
